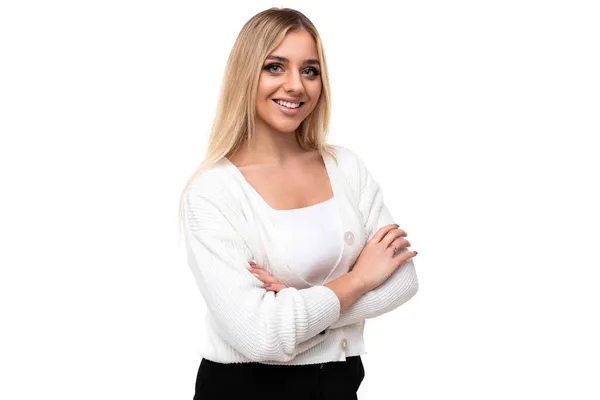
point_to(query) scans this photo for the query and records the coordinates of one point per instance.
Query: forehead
(297, 46)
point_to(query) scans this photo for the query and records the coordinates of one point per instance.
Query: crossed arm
(402, 285)
(255, 322)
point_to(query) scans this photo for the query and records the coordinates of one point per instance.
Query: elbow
(411, 285)
(414, 287)
(251, 339)
(276, 346)
(259, 351)
(267, 330)
(255, 355)
(403, 294)
(271, 352)
(411, 288)
(264, 345)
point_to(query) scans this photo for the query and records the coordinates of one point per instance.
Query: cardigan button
(349, 238)
(344, 343)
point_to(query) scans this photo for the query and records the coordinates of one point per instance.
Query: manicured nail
(255, 274)
(416, 252)
(249, 268)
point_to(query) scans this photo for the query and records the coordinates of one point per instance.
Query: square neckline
(239, 174)
(278, 252)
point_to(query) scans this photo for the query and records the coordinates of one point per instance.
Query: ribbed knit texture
(295, 326)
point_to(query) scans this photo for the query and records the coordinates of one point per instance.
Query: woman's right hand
(377, 262)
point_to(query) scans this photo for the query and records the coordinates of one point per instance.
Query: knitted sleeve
(402, 285)
(258, 323)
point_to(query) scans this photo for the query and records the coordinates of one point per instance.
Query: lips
(290, 101)
(301, 103)
(290, 112)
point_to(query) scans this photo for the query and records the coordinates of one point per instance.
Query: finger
(268, 278)
(264, 276)
(254, 265)
(404, 255)
(397, 241)
(274, 287)
(255, 271)
(255, 268)
(258, 274)
(380, 234)
(392, 236)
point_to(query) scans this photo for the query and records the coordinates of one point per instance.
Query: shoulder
(212, 198)
(344, 154)
(214, 184)
(349, 163)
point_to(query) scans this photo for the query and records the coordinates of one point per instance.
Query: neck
(269, 147)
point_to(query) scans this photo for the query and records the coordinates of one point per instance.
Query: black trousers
(337, 380)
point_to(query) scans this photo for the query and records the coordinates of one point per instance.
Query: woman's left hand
(268, 280)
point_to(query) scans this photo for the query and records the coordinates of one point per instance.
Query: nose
(293, 83)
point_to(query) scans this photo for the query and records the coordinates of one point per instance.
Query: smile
(288, 105)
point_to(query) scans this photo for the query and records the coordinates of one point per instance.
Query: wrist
(358, 282)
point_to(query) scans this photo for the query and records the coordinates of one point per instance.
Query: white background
(478, 119)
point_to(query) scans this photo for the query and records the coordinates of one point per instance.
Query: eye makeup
(315, 71)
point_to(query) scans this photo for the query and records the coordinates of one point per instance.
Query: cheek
(315, 94)
(262, 107)
(266, 87)
(315, 91)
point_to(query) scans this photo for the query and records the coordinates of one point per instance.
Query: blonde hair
(234, 121)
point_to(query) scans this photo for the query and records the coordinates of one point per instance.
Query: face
(291, 73)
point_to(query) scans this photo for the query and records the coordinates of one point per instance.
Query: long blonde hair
(234, 121)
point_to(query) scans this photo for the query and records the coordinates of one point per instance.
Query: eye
(271, 66)
(315, 72)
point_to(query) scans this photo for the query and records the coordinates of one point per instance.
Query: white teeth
(286, 104)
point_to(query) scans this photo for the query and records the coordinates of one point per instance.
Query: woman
(288, 237)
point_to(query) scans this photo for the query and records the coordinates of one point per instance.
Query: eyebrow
(310, 61)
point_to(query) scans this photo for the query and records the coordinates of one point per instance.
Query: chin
(286, 128)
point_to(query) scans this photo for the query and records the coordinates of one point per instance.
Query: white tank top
(312, 237)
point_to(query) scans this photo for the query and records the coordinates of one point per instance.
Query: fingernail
(255, 274)
(416, 252)
(249, 268)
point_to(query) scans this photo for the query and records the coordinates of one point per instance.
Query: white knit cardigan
(227, 226)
